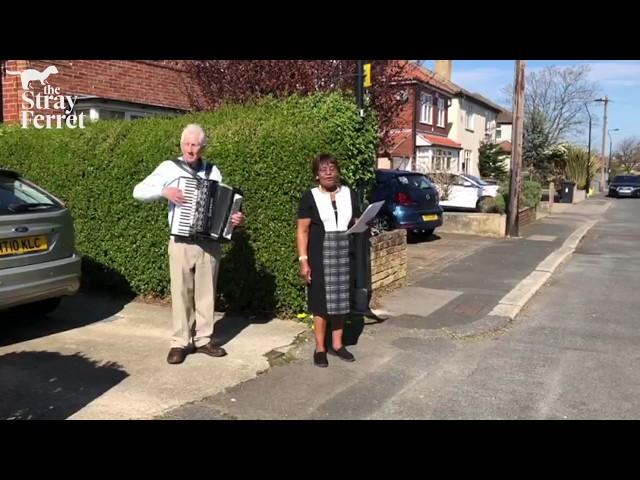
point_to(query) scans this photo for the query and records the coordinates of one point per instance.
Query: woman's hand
(305, 272)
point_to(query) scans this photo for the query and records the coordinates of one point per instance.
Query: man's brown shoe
(212, 350)
(176, 355)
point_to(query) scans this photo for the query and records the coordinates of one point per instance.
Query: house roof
(480, 99)
(440, 141)
(505, 117)
(416, 73)
(505, 147)
(400, 144)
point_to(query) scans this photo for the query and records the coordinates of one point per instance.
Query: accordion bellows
(206, 211)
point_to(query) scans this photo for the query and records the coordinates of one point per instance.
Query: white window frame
(468, 119)
(426, 108)
(498, 132)
(423, 157)
(441, 112)
(94, 108)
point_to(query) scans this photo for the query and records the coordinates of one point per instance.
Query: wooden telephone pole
(516, 150)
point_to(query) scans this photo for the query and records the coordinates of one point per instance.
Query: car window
(458, 180)
(477, 180)
(414, 181)
(16, 196)
(627, 179)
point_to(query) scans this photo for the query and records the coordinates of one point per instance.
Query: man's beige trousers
(193, 266)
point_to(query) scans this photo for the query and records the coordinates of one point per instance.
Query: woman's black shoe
(320, 359)
(343, 353)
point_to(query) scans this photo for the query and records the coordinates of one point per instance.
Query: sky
(619, 79)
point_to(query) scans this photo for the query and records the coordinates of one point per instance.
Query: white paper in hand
(368, 215)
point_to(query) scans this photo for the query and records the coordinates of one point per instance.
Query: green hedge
(263, 148)
(530, 195)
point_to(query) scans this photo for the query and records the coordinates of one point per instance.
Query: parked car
(411, 202)
(467, 192)
(625, 186)
(38, 261)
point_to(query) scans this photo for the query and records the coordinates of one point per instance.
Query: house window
(467, 160)
(423, 159)
(444, 160)
(468, 119)
(426, 109)
(491, 126)
(498, 132)
(441, 112)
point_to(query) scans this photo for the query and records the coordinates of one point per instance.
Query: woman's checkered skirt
(337, 273)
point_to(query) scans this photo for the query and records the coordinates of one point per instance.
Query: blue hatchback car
(411, 202)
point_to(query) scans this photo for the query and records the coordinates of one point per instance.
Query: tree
(627, 155)
(558, 95)
(536, 147)
(216, 82)
(491, 161)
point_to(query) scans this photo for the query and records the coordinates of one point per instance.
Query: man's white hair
(194, 128)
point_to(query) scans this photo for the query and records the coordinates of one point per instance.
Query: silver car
(38, 260)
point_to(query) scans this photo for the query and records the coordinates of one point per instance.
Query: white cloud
(616, 73)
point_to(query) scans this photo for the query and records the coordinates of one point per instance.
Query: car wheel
(42, 307)
(486, 205)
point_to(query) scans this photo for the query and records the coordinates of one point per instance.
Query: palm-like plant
(577, 162)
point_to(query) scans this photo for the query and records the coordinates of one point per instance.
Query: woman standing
(325, 214)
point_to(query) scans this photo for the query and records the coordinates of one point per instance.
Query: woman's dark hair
(323, 158)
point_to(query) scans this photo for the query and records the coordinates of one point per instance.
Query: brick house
(419, 135)
(123, 89)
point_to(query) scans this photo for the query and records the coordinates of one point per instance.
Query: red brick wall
(12, 90)
(433, 128)
(161, 83)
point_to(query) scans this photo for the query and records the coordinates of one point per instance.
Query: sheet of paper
(369, 214)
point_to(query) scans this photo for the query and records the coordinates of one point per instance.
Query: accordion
(206, 211)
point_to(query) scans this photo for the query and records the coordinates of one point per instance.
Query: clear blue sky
(619, 79)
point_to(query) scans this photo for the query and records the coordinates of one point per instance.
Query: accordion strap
(193, 173)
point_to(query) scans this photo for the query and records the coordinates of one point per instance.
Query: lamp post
(610, 150)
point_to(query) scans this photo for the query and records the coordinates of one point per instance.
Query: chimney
(443, 68)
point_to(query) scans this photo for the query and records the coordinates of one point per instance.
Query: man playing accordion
(193, 262)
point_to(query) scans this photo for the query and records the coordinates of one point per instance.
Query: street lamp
(610, 149)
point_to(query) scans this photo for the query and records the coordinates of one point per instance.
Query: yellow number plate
(428, 218)
(17, 246)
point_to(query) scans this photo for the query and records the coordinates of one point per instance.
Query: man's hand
(173, 194)
(237, 218)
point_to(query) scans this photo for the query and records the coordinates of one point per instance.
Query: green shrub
(530, 195)
(262, 148)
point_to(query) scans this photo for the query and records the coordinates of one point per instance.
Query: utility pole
(516, 151)
(588, 182)
(360, 86)
(603, 159)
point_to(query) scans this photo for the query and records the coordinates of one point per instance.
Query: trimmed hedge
(530, 195)
(264, 148)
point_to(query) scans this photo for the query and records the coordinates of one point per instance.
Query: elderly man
(193, 264)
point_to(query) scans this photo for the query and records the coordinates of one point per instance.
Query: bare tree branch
(627, 155)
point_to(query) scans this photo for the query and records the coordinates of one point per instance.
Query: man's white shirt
(166, 175)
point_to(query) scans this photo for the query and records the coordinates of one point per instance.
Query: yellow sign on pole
(367, 75)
